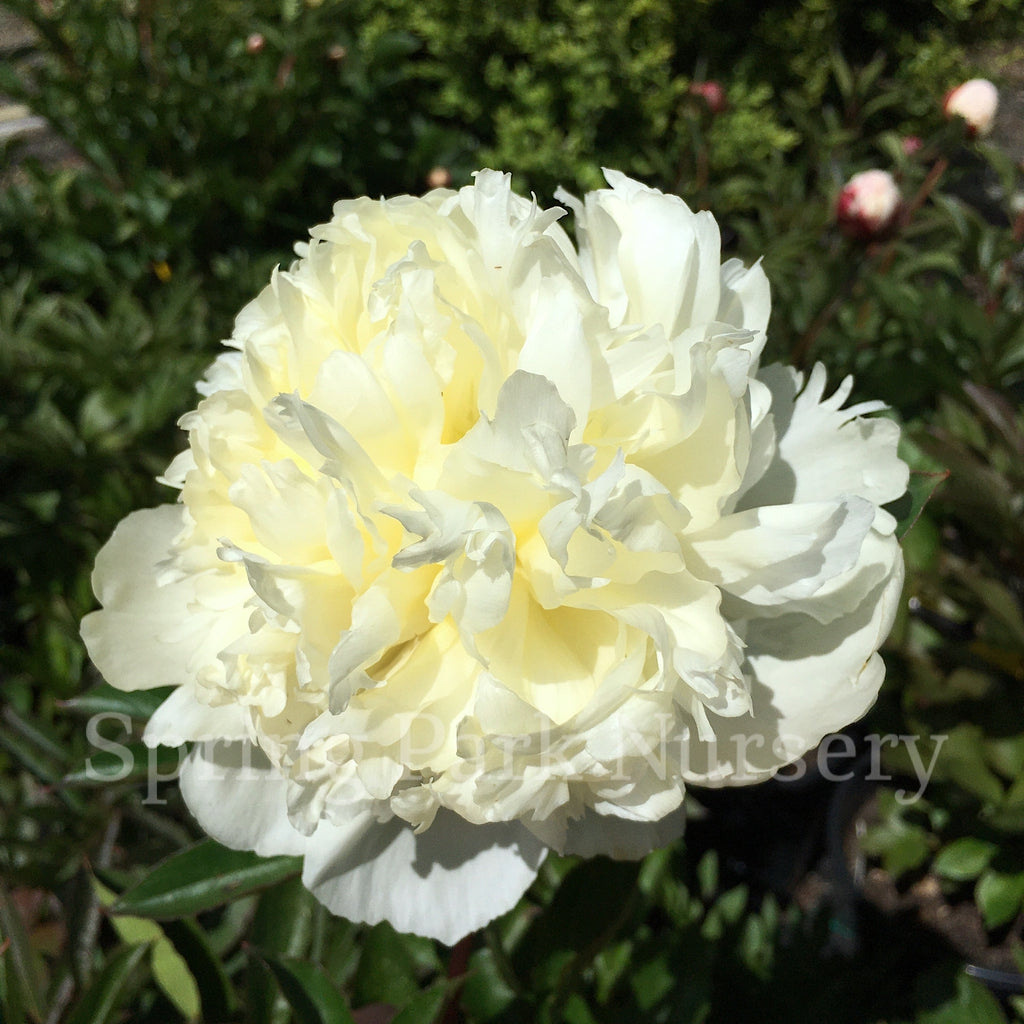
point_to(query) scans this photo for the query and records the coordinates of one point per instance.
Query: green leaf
(964, 859)
(999, 601)
(132, 762)
(170, 971)
(921, 486)
(387, 969)
(32, 756)
(576, 926)
(1006, 755)
(610, 966)
(999, 896)
(424, 1007)
(843, 75)
(963, 762)
(47, 745)
(23, 973)
(216, 995)
(707, 875)
(203, 876)
(110, 988)
(653, 979)
(283, 925)
(576, 1011)
(973, 1002)
(902, 847)
(486, 992)
(310, 993)
(175, 979)
(104, 699)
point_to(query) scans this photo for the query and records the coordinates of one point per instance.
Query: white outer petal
(182, 719)
(148, 635)
(823, 450)
(807, 679)
(443, 883)
(746, 298)
(239, 798)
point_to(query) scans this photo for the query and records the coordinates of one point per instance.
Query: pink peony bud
(254, 43)
(976, 102)
(439, 177)
(868, 204)
(713, 94)
(911, 144)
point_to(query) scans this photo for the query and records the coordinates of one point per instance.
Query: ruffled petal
(647, 256)
(777, 553)
(823, 450)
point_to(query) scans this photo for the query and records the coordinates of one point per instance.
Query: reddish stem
(458, 967)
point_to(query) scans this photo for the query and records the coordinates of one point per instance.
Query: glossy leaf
(999, 896)
(216, 996)
(972, 1003)
(21, 964)
(424, 1007)
(109, 988)
(920, 489)
(204, 876)
(283, 925)
(170, 971)
(577, 925)
(964, 859)
(387, 970)
(486, 992)
(133, 762)
(105, 699)
(309, 992)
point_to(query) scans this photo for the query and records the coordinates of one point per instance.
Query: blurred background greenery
(202, 140)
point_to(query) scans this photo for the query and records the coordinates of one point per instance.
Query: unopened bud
(337, 52)
(439, 177)
(712, 93)
(910, 144)
(254, 43)
(868, 205)
(976, 102)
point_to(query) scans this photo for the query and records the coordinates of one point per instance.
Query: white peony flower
(485, 546)
(976, 101)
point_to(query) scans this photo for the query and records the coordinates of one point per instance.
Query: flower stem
(458, 967)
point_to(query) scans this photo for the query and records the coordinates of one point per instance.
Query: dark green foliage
(201, 156)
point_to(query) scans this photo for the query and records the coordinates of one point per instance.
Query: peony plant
(486, 545)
